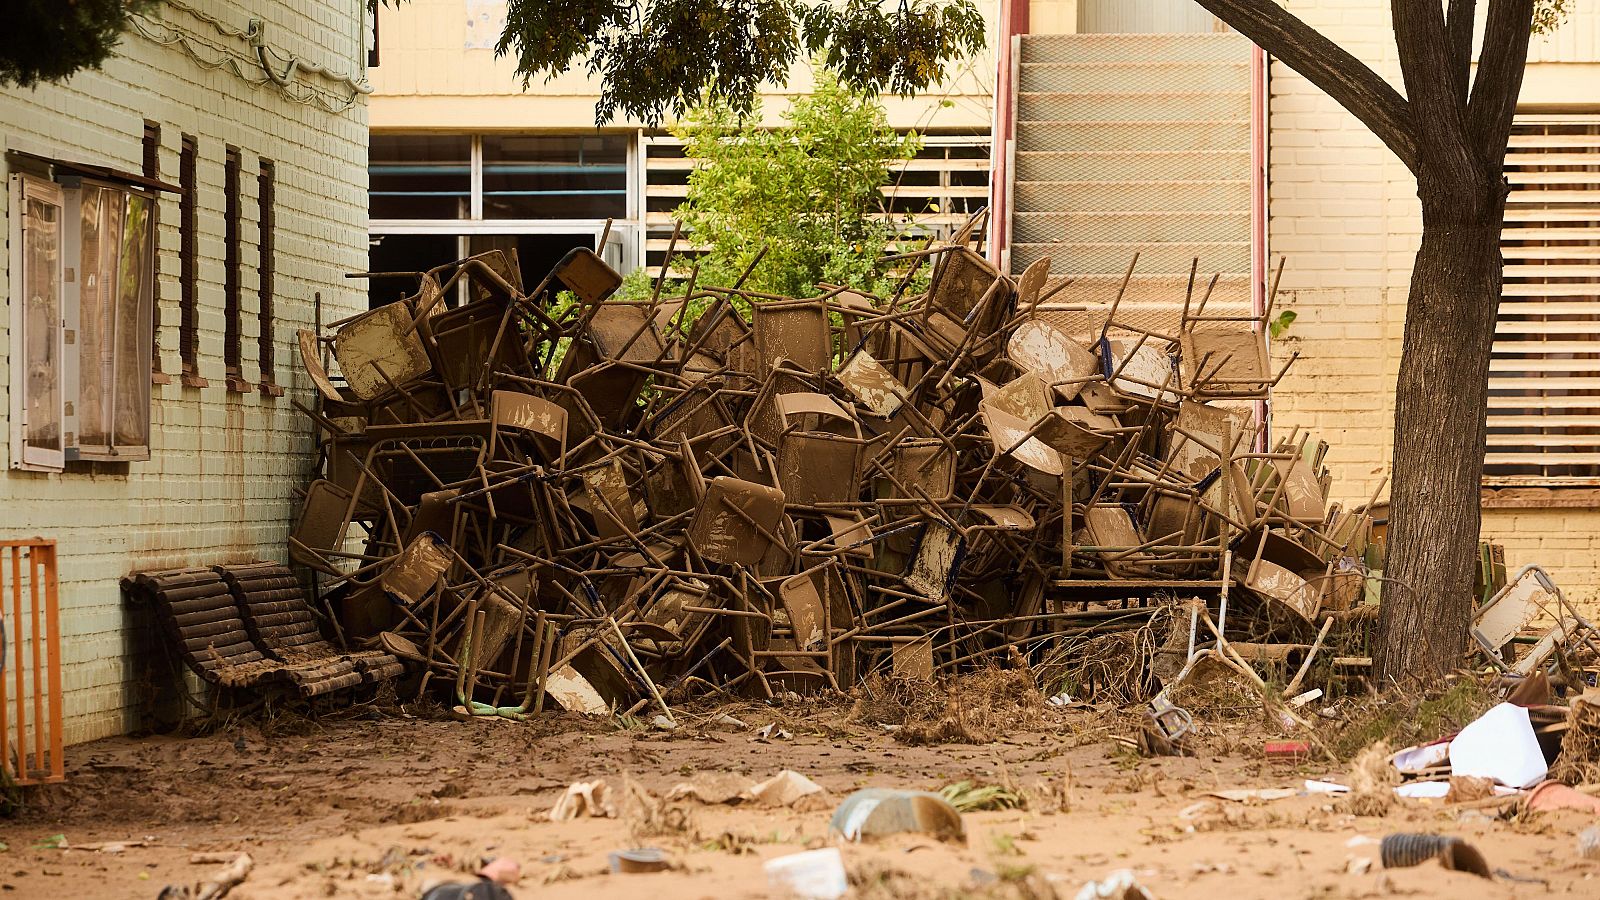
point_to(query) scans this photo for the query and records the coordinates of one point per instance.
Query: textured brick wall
(1345, 214)
(218, 485)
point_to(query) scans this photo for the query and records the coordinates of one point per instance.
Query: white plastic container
(812, 875)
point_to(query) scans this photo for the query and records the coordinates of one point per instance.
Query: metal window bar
(152, 169)
(266, 267)
(232, 276)
(189, 261)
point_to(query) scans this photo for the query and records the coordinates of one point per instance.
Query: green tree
(1451, 129)
(48, 40)
(664, 57)
(806, 192)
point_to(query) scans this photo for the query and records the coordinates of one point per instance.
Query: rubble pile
(606, 505)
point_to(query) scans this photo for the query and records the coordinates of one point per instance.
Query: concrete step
(1155, 165)
(1069, 258)
(1174, 102)
(1129, 227)
(1186, 134)
(1131, 196)
(1114, 48)
(1132, 77)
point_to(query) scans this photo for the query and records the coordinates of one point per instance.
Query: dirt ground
(374, 805)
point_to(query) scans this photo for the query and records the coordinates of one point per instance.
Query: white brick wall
(1345, 214)
(218, 485)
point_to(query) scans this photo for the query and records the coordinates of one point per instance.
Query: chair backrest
(273, 606)
(198, 612)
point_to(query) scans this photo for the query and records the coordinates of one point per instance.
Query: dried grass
(1579, 762)
(974, 708)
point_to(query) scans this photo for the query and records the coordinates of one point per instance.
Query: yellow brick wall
(218, 486)
(1344, 213)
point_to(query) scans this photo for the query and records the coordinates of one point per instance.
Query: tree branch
(1438, 112)
(1458, 28)
(1499, 82)
(1328, 66)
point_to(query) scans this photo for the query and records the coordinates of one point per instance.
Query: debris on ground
(872, 813)
(1403, 850)
(811, 875)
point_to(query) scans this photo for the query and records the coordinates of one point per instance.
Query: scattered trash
(771, 731)
(1589, 842)
(1500, 745)
(218, 885)
(638, 860)
(812, 875)
(492, 879)
(1119, 885)
(877, 812)
(584, 799)
(1290, 751)
(1404, 850)
(1550, 795)
(787, 788)
(1245, 795)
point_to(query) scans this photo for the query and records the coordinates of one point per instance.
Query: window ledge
(1540, 498)
(191, 380)
(237, 385)
(268, 389)
(160, 378)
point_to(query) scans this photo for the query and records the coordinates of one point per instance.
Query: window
(555, 177)
(266, 197)
(420, 176)
(934, 193)
(152, 169)
(82, 341)
(189, 262)
(1544, 377)
(232, 274)
(37, 441)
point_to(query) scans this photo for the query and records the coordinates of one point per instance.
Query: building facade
(1344, 213)
(465, 160)
(172, 220)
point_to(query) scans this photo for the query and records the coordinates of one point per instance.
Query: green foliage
(1281, 322)
(49, 40)
(805, 192)
(660, 57)
(1548, 15)
(967, 796)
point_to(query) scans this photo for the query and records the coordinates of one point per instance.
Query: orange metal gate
(30, 675)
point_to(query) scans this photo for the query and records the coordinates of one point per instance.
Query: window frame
(1544, 387)
(25, 188)
(66, 192)
(112, 450)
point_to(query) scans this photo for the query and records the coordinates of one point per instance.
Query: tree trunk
(1440, 403)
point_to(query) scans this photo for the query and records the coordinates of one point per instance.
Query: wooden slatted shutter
(1544, 378)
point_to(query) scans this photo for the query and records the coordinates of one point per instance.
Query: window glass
(41, 323)
(100, 213)
(131, 330)
(420, 176)
(555, 177)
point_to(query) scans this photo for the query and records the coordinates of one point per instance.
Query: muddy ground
(375, 803)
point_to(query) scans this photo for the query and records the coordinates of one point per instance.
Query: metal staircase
(1130, 143)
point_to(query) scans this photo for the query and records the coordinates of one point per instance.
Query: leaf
(1281, 324)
